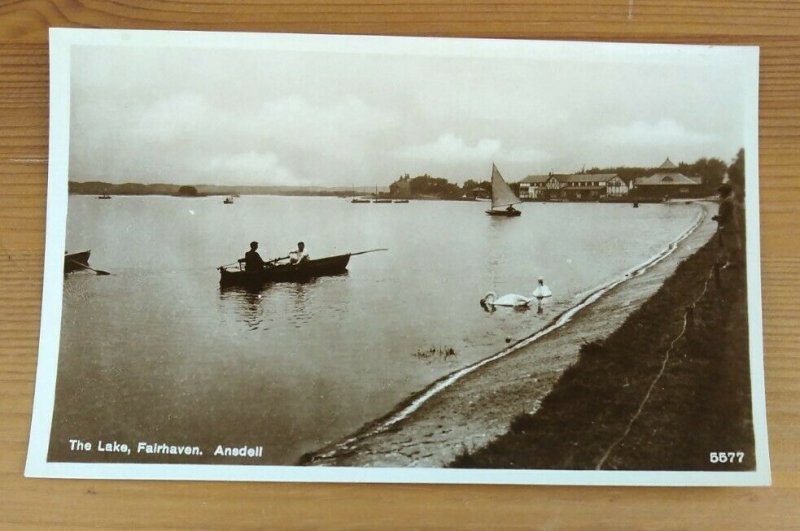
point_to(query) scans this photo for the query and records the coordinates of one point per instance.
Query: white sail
(502, 195)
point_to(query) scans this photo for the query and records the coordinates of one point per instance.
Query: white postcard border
(61, 42)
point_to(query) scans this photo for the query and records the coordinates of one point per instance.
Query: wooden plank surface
(36, 504)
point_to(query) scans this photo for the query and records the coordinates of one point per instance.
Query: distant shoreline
(616, 200)
(204, 190)
(108, 191)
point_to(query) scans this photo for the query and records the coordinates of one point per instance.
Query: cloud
(450, 151)
(170, 119)
(344, 124)
(198, 116)
(664, 133)
(282, 141)
(526, 155)
(639, 143)
(449, 148)
(254, 166)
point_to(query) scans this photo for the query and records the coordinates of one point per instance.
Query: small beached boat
(503, 198)
(76, 261)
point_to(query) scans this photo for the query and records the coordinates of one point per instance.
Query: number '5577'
(726, 457)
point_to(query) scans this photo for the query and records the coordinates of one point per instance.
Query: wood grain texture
(36, 504)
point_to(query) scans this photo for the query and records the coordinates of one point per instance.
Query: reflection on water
(249, 307)
(257, 306)
(301, 312)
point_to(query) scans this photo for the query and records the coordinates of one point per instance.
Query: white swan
(490, 300)
(542, 291)
(511, 299)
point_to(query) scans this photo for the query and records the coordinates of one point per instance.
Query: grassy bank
(664, 391)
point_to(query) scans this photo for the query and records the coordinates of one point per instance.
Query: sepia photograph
(287, 257)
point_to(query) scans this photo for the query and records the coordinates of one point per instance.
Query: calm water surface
(157, 352)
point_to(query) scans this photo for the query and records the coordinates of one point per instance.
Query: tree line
(438, 187)
(711, 170)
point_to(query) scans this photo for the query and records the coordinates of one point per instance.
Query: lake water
(157, 352)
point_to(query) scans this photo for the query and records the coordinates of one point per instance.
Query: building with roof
(667, 182)
(478, 192)
(572, 187)
(533, 186)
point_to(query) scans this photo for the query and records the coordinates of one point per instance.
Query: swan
(542, 291)
(511, 299)
(490, 300)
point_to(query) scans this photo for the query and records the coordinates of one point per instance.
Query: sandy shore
(478, 407)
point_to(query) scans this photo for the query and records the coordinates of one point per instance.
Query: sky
(367, 114)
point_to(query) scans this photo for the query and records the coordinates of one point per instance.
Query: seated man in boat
(299, 255)
(253, 260)
(511, 209)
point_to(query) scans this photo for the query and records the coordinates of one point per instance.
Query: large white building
(573, 187)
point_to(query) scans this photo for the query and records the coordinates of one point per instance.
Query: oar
(370, 251)
(242, 260)
(86, 266)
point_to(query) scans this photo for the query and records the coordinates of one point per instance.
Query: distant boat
(228, 200)
(360, 200)
(104, 196)
(76, 261)
(503, 197)
(400, 201)
(378, 198)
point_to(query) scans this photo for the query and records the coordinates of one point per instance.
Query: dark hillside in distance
(99, 187)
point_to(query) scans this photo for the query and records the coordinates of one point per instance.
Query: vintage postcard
(276, 257)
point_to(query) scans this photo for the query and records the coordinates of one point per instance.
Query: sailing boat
(378, 198)
(502, 197)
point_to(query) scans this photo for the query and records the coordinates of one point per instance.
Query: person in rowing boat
(253, 260)
(299, 255)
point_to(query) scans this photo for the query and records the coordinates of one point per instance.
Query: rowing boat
(308, 269)
(76, 261)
